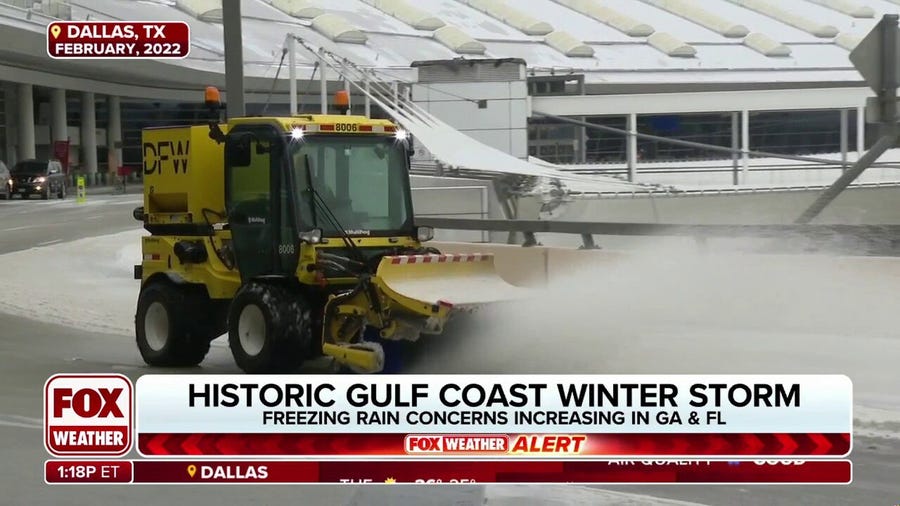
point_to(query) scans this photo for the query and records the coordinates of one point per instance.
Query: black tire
(171, 341)
(269, 329)
(61, 194)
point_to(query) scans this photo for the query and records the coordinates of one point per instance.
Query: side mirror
(313, 236)
(424, 234)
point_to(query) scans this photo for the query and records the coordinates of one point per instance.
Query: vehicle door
(54, 176)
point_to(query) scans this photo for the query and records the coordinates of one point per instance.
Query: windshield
(363, 181)
(30, 168)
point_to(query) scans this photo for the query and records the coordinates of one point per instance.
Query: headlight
(424, 234)
(40, 179)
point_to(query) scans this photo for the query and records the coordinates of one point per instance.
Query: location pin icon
(54, 30)
(192, 470)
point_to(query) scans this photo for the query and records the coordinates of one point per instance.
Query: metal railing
(885, 237)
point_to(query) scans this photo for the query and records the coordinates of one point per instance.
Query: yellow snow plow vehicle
(295, 236)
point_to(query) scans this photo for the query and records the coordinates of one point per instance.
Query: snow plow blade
(461, 281)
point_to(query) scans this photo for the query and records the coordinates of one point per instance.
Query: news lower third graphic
(448, 429)
(118, 40)
(88, 415)
(447, 472)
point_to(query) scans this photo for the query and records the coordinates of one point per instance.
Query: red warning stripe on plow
(428, 259)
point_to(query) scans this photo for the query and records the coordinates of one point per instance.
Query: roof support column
(736, 146)
(114, 133)
(9, 112)
(368, 100)
(234, 60)
(292, 71)
(349, 97)
(323, 83)
(860, 131)
(745, 146)
(845, 137)
(25, 126)
(583, 138)
(88, 132)
(59, 123)
(582, 141)
(631, 147)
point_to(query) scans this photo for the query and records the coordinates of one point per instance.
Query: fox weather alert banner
(470, 416)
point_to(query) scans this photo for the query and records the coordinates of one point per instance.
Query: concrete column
(114, 133)
(631, 147)
(735, 146)
(323, 84)
(292, 72)
(368, 100)
(845, 137)
(89, 137)
(25, 125)
(9, 111)
(745, 146)
(582, 141)
(347, 88)
(59, 129)
(860, 131)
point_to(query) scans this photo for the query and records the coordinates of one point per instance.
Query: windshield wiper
(332, 219)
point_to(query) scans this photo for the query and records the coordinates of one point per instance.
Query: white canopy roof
(389, 42)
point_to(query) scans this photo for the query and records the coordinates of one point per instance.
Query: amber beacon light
(342, 101)
(212, 97)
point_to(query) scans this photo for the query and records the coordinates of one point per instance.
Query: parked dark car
(4, 181)
(37, 177)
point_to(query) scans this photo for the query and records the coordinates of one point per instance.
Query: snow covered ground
(659, 313)
(86, 284)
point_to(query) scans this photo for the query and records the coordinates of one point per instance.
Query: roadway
(32, 350)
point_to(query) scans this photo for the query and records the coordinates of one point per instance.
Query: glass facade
(781, 132)
(785, 132)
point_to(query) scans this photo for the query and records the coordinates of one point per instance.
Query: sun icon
(390, 480)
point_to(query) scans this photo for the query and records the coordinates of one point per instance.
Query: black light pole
(234, 59)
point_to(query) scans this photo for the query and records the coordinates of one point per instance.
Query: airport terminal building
(743, 74)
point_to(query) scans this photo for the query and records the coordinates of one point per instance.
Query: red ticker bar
(585, 472)
(118, 39)
(517, 446)
(88, 471)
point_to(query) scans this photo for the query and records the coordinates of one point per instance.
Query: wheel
(269, 329)
(62, 191)
(45, 195)
(165, 337)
